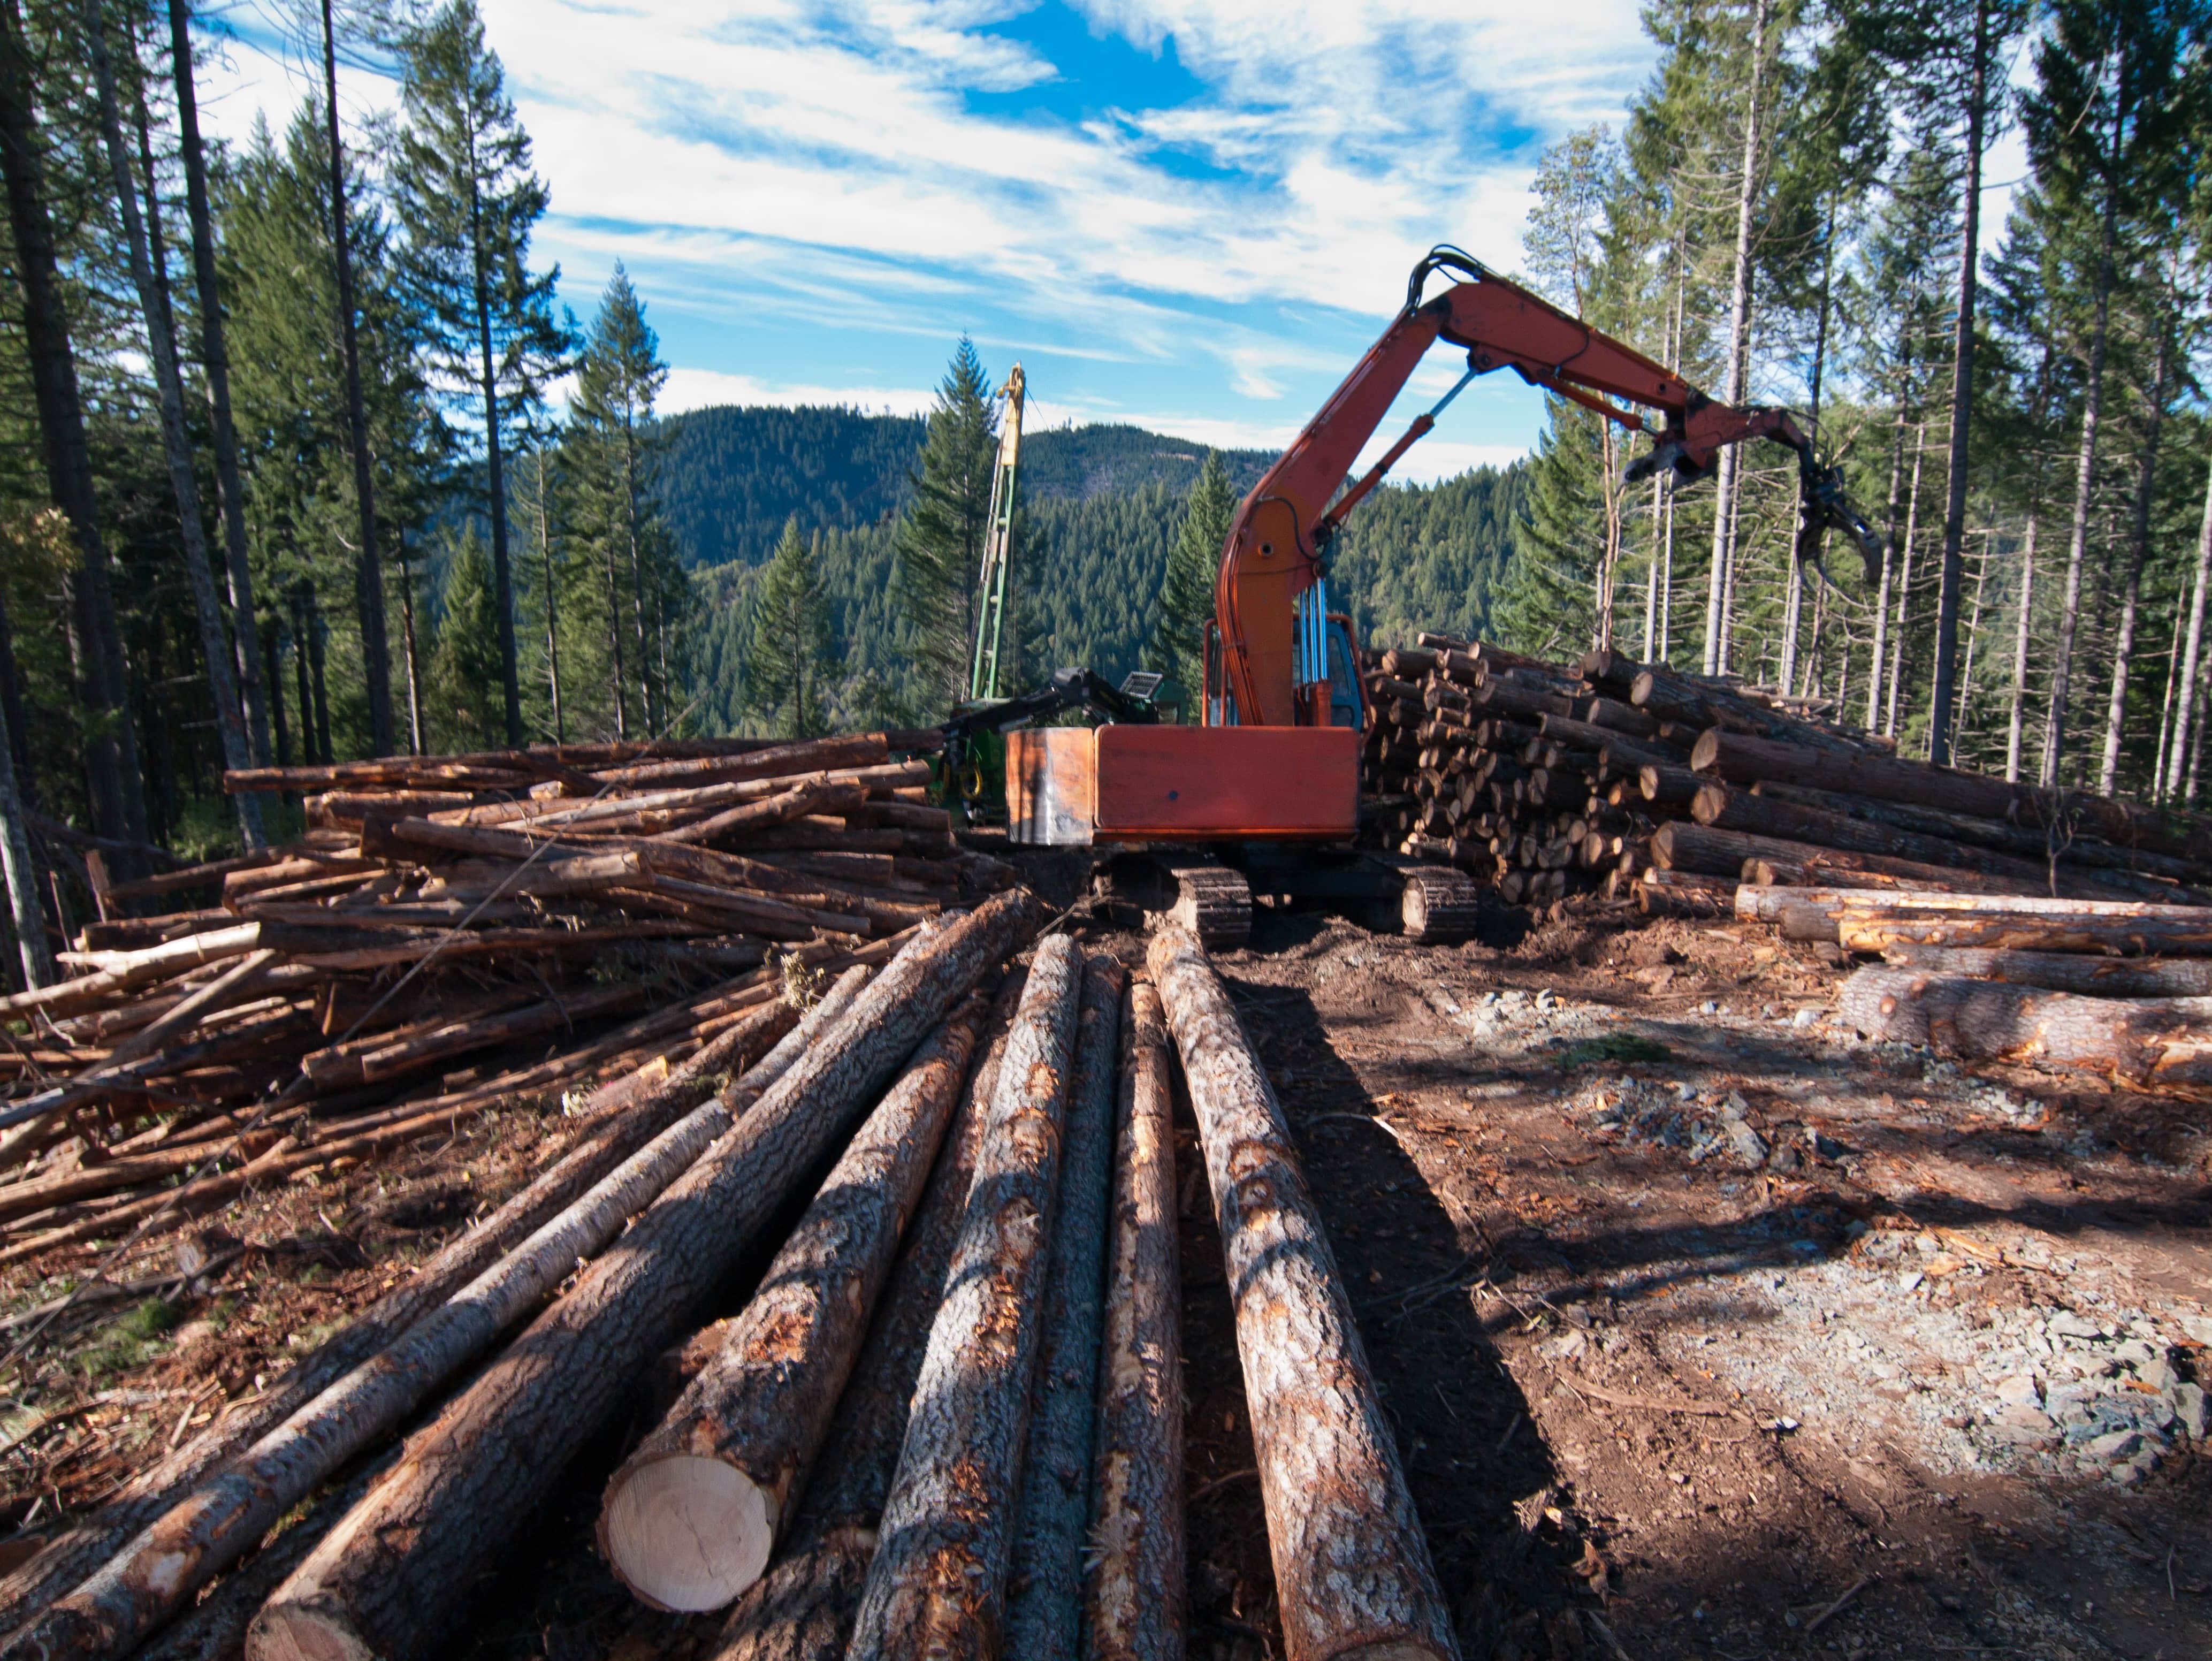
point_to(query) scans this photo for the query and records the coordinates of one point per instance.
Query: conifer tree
(467, 675)
(1177, 646)
(609, 456)
(940, 540)
(790, 648)
(1546, 602)
(469, 202)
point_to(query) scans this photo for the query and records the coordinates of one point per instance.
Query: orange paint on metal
(1242, 782)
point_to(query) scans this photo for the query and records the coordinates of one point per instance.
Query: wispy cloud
(1206, 205)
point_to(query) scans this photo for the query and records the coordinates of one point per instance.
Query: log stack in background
(450, 933)
(1638, 781)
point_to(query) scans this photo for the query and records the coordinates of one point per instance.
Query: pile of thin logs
(2120, 989)
(450, 933)
(1672, 788)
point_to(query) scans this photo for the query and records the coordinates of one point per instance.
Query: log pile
(1546, 780)
(449, 933)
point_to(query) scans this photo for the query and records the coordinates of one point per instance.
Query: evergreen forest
(284, 477)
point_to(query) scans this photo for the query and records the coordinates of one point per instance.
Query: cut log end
(686, 1533)
(304, 1631)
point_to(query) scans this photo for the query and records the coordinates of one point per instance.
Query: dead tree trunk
(936, 1584)
(220, 1521)
(1135, 1585)
(2140, 1041)
(803, 1610)
(387, 1577)
(1045, 1586)
(688, 1522)
(1876, 930)
(1352, 1570)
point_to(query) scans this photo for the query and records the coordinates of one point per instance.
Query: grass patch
(1616, 1049)
(133, 1340)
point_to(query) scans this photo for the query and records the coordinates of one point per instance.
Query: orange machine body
(1073, 786)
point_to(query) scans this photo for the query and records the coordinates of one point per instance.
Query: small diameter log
(815, 796)
(2063, 971)
(1668, 787)
(1873, 930)
(1044, 1600)
(803, 1610)
(71, 1556)
(388, 1577)
(938, 1581)
(1135, 1593)
(1679, 894)
(1352, 1570)
(210, 1528)
(2140, 1041)
(688, 1521)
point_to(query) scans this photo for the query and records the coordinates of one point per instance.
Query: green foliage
(464, 697)
(132, 1341)
(940, 540)
(1545, 605)
(790, 640)
(1177, 648)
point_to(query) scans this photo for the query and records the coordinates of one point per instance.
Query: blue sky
(1190, 214)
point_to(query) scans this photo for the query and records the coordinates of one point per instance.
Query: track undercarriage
(1211, 892)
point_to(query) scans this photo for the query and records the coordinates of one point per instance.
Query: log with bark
(2063, 971)
(387, 1577)
(2140, 1042)
(1134, 1602)
(1352, 1571)
(937, 1584)
(687, 1523)
(1044, 1603)
(803, 1610)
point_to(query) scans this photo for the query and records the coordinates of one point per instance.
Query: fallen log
(1044, 1608)
(1872, 930)
(1353, 1573)
(386, 1580)
(2063, 971)
(948, 1519)
(688, 1521)
(815, 796)
(229, 1510)
(1709, 850)
(1755, 901)
(803, 1609)
(1680, 894)
(2142, 1042)
(1134, 1597)
(74, 1554)
(1743, 759)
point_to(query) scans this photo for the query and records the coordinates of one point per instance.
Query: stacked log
(439, 940)
(1548, 780)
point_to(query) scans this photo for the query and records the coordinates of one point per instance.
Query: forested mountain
(1101, 507)
(729, 477)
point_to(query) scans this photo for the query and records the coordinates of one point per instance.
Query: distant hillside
(730, 477)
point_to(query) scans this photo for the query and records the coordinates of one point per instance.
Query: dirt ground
(1708, 1330)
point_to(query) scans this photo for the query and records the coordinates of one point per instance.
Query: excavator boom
(1270, 598)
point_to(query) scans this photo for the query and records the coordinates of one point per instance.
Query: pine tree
(1177, 646)
(940, 540)
(467, 677)
(643, 601)
(1546, 602)
(790, 646)
(470, 201)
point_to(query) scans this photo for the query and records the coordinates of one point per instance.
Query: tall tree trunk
(614, 643)
(502, 574)
(1792, 609)
(2192, 658)
(1904, 584)
(215, 362)
(2166, 713)
(2124, 648)
(1973, 639)
(369, 577)
(2019, 651)
(111, 776)
(1962, 402)
(407, 642)
(214, 644)
(552, 628)
(20, 871)
(273, 664)
(310, 752)
(321, 686)
(2093, 394)
(1647, 649)
(12, 709)
(1889, 549)
(1739, 355)
(646, 703)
